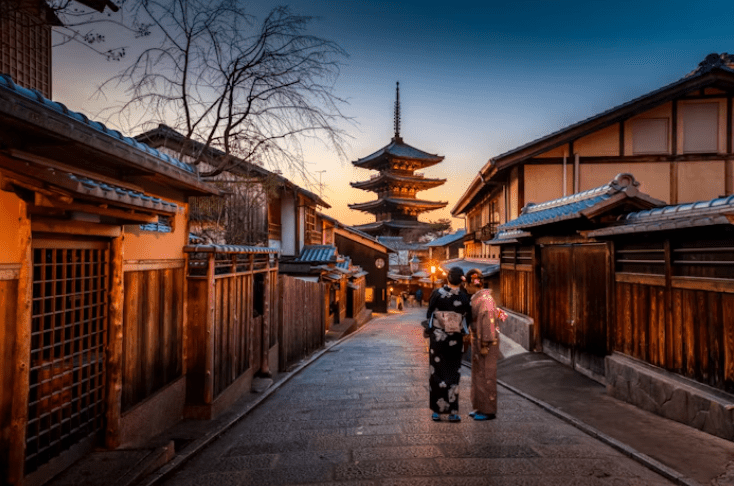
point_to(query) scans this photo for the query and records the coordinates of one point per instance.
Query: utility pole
(321, 186)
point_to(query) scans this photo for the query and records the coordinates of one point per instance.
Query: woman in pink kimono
(484, 348)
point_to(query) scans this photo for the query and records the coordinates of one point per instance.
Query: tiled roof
(228, 249)
(505, 237)
(345, 264)
(689, 215)
(397, 243)
(6, 82)
(394, 224)
(570, 207)
(317, 253)
(448, 239)
(398, 149)
(398, 201)
(165, 133)
(103, 190)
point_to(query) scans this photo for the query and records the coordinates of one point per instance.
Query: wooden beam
(132, 216)
(674, 150)
(76, 227)
(631, 159)
(621, 138)
(21, 352)
(114, 344)
(209, 328)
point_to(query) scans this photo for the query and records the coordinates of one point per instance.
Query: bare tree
(254, 91)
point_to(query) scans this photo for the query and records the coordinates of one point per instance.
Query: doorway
(574, 300)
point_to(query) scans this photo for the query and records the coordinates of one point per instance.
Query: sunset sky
(476, 78)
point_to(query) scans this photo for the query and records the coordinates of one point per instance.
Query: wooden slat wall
(517, 289)
(678, 314)
(694, 337)
(8, 306)
(302, 327)
(152, 332)
(237, 333)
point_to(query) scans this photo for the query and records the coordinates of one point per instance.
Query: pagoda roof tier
(392, 179)
(382, 227)
(387, 204)
(397, 150)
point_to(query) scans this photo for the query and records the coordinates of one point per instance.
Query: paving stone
(599, 468)
(403, 452)
(490, 450)
(310, 457)
(386, 469)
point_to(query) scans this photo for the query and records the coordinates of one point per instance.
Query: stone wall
(669, 395)
(519, 328)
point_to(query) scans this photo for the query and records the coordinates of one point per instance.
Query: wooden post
(22, 352)
(209, 344)
(265, 361)
(185, 316)
(114, 345)
(674, 163)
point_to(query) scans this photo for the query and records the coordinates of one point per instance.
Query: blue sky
(476, 78)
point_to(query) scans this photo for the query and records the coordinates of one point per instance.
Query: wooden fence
(674, 307)
(517, 280)
(303, 318)
(152, 332)
(231, 315)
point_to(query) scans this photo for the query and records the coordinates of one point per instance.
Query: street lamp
(433, 276)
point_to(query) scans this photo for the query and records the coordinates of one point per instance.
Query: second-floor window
(650, 136)
(700, 127)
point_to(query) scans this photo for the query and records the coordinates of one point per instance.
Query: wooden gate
(66, 403)
(575, 282)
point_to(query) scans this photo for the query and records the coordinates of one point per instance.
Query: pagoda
(396, 208)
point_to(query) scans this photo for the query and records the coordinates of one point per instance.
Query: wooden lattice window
(643, 258)
(707, 258)
(68, 336)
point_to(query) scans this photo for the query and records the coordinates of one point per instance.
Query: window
(700, 127)
(650, 136)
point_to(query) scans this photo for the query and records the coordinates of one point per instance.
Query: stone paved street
(359, 416)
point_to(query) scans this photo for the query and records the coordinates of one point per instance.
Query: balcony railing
(485, 232)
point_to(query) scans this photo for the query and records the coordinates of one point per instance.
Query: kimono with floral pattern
(445, 350)
(484, 336)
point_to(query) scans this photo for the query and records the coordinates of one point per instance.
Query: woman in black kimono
(446, 347)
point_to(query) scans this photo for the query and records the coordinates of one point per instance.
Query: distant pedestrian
(449, 308)
(399, 301)
(485, 347)
(419, 297)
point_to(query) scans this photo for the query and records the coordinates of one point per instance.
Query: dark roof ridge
(681, 210)
(622, 182)
(6, 81)
(699, 72)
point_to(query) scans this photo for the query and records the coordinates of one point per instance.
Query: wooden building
(92, 278)
(259, 207)
(447, 247)
(676, 140)
(620, 287)
(396, 208)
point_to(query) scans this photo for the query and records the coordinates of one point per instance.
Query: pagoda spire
(397, 113)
